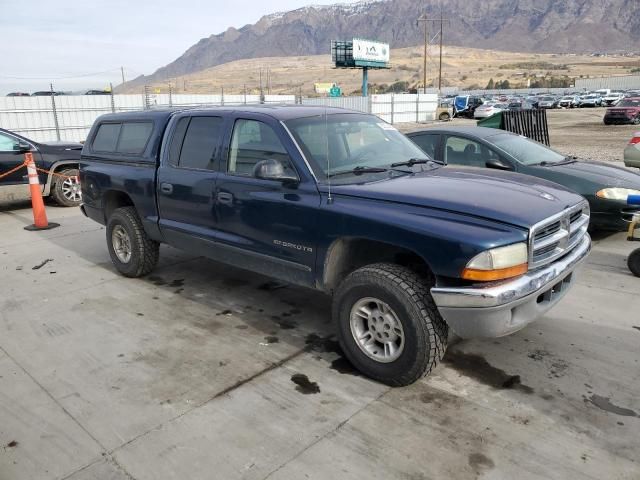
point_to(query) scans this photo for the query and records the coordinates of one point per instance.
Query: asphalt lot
(189, 374)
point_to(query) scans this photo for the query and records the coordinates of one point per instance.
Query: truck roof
(279, 112)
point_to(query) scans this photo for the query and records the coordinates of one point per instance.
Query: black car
(18, 94)
(57, 157)
(605, 186)
(46, 93)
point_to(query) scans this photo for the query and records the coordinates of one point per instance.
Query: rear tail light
(635, 140)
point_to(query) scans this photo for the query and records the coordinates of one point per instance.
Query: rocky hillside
(577, 26)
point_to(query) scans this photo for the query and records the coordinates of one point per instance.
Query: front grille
(555, 237)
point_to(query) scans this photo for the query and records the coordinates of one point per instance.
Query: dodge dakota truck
(339, 201)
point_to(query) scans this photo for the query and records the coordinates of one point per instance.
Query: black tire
(66, 192)
(444, 116)
(407, 294)
(636, 121)
(144, 252)
(634, 262)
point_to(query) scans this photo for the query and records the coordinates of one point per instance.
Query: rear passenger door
(265, 225)
(187, 179)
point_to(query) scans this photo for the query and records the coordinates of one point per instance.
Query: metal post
(392, 106)
(245, 93)
(417, 107)
(365, 81)
(55, 112)
(222, 96)
(170, 96)
(113, 103)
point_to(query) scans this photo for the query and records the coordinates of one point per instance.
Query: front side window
(7, 143)
(466, 152)
(253, 141)
(201, 143)
(345, 141)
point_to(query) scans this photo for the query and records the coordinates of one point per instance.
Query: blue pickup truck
(342, 202)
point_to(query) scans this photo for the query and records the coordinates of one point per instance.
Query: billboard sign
(370, 51)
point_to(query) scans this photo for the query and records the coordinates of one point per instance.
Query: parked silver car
(487, 110)
(632, 152)
(569, 101)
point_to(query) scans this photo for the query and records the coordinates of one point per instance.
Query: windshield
(524, 150)
(342, 142)
(630, 102)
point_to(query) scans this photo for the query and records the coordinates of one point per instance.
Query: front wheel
(444, 116)
(636, 121)
(132, 252)
(634, 262)
(66, 189)
(388, 325)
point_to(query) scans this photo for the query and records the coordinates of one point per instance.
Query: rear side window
(176, 141)
(106, 138)
(126, 138)
(428, 143)
(134, 137)
(201, 143)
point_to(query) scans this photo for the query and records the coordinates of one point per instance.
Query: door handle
(166, 188)
(225, 198)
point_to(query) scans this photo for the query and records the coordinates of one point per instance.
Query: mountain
(576, 26)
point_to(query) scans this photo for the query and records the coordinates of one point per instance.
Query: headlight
(616, 193)
(498, 263)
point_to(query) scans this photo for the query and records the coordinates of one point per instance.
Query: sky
(81, 44)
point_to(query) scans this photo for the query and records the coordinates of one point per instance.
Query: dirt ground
(578, 132)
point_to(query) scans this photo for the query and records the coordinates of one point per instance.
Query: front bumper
(505, 308)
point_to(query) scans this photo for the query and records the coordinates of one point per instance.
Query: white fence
(393, 108)
(70, 117)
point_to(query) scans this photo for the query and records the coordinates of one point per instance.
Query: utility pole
(442, 21)
(122, 72)
(423, 19)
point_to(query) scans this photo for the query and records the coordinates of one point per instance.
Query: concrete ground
(188, 374)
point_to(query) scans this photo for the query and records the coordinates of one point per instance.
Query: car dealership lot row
(188, 373)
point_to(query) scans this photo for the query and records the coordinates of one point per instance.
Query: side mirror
(22, 147)
(498, 165)
(273, 169)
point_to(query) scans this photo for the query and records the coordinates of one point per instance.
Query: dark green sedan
(604, 185)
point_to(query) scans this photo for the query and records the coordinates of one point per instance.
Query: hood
(61, 146)
(505, 197)
(632, 110)
(600, 174)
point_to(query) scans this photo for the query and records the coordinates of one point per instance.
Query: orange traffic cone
(40, 221)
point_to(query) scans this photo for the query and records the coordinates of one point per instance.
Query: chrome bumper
(502, 309)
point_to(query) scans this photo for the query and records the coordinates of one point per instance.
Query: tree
(490, 85)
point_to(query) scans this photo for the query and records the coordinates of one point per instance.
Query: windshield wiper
(358, 171)
(567, 160)
(415, 161)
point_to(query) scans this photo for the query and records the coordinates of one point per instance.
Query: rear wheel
(388, 326)
(444, 116)
(66, 189)
(636, 121)
(634, 262)
(132, 252)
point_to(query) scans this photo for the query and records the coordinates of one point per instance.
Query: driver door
(265, 225)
